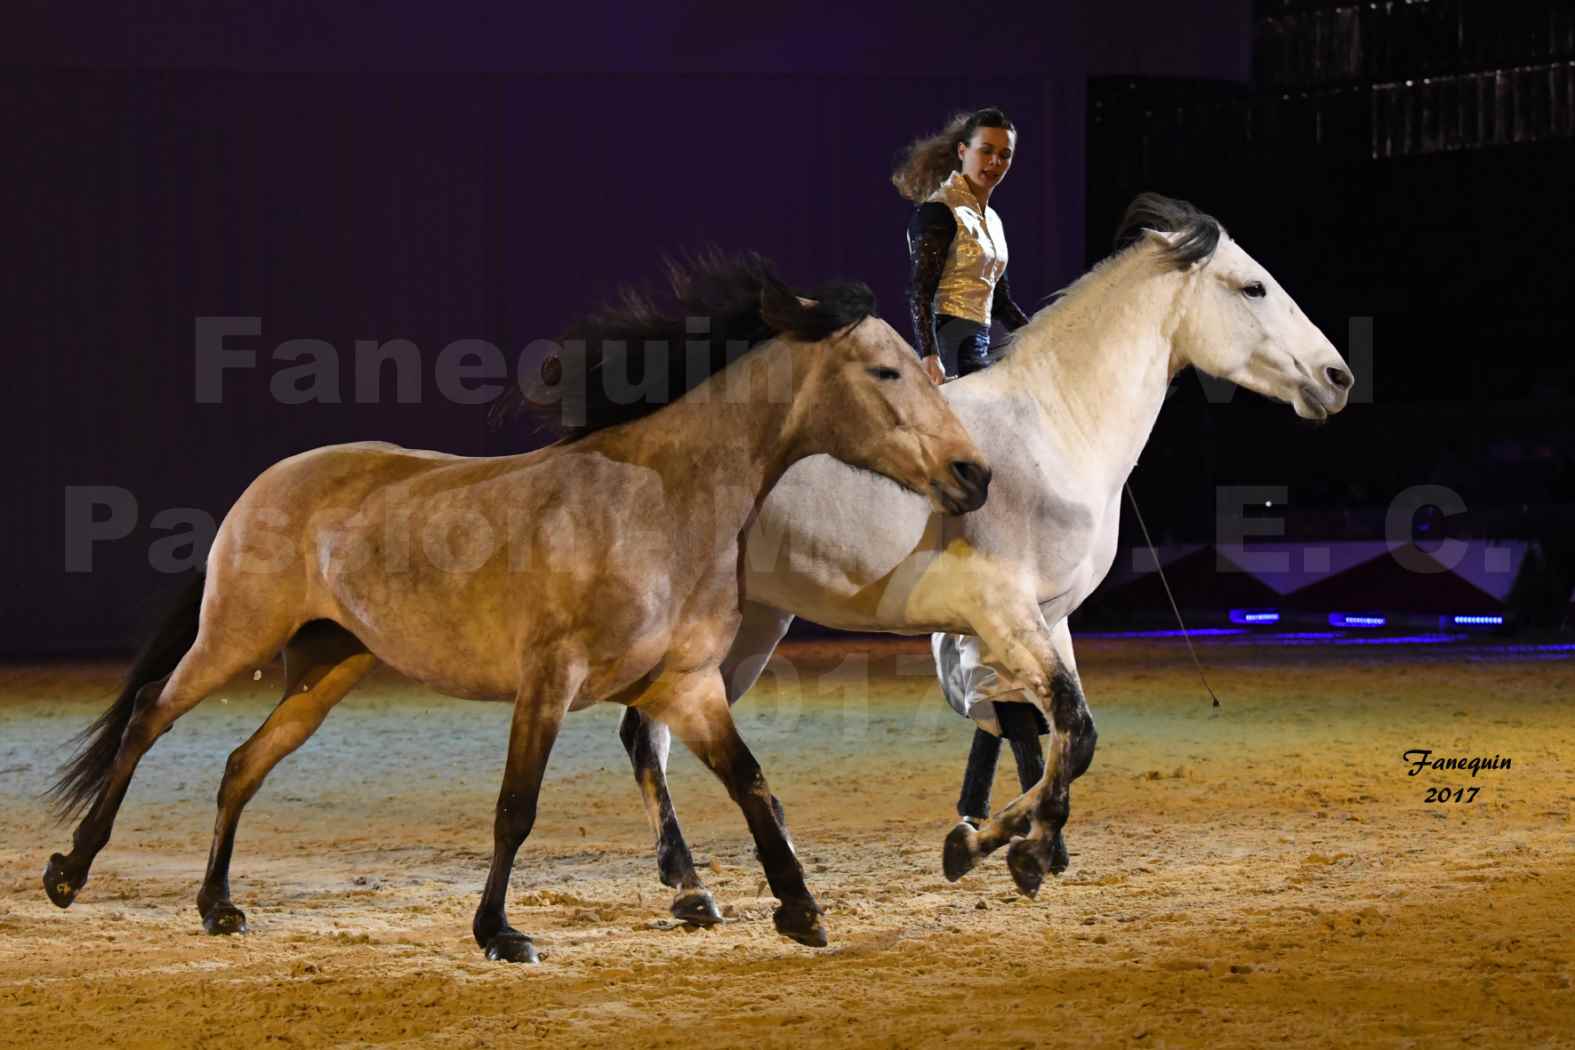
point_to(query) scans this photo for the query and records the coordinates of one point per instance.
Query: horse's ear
(780, 308)
(552, 369)
(1170, 244)
(1165, 240)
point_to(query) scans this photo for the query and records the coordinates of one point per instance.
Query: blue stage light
(1256, 617)
(1410, 639)
(1201, 632)
(1474, 621)
(1357, 620)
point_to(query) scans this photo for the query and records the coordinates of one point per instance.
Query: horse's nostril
(974, 476)
(1339, 377)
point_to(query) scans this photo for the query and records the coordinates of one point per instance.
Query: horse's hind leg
(322, 663)
(223, 649)
(647, 741)
(697, 710)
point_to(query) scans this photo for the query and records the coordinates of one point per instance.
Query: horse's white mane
(1057, 302)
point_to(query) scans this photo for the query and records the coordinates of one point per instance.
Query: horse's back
(348, 474)
(372, 458)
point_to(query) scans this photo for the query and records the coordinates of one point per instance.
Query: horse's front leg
(1016, 637)
(696, 708)
(539, 707)
(1071, 751)
(647, 742)
(1079, 741)
(1042, 659)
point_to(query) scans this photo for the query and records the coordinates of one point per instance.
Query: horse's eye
(884, 373)
(1255, 290)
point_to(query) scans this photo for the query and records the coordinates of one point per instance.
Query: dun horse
(604, 567)
(1063, 418)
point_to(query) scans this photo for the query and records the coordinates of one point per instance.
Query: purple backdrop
(478, 174)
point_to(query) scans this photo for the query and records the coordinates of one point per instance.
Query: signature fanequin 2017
(1421, 759)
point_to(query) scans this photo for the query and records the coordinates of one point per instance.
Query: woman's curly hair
(927, 162)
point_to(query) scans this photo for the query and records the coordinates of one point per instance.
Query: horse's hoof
(697, 908)
(1022, 859)
(60, 886)
(1060, 860)
(961, 853)
(801, 923)
(511, 946)
(224, 919)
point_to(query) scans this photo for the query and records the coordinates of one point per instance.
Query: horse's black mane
(717, 309)
(1200, 233)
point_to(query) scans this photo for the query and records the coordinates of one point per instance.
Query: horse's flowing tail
(84, 776)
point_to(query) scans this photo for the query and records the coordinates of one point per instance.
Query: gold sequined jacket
(957, 251)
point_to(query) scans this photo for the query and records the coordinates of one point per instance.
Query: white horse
(1062, 418)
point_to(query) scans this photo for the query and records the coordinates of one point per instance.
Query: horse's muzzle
(968, 489)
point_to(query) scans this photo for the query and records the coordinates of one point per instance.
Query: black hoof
(511, 946)
(1027, 871)
(224, 919)
(61, 886)
(1060, 860)
(802, 923)
(960, 854)
(697, 908)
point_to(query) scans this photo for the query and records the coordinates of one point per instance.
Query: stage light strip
(1475, 621)
(1357, 620)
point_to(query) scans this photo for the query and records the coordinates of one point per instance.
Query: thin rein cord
(1173, 607)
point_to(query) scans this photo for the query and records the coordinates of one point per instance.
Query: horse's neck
(721, 446)
(1099, 363)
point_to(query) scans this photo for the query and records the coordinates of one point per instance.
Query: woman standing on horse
(956, 243)
(956, 287)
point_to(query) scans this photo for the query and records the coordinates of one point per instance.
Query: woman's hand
(934, 369)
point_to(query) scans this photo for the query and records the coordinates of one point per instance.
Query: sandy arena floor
(1264, 874)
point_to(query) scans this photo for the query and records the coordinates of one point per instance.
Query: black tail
(83, 778)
